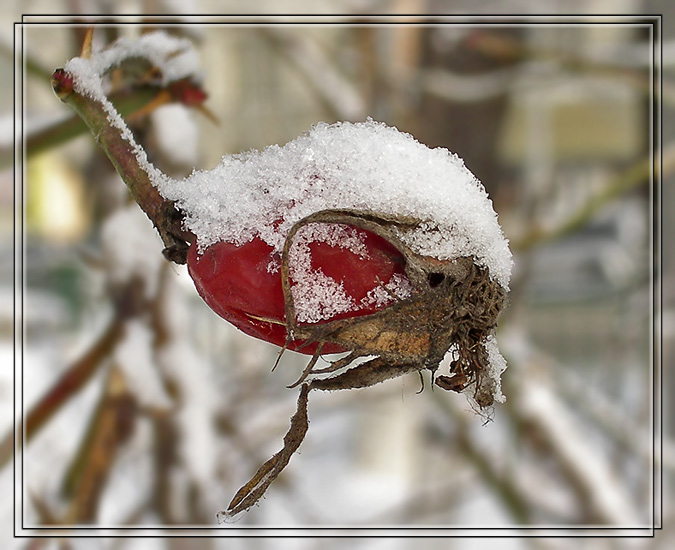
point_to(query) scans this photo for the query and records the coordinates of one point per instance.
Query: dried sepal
(252, 491)
(453, 308)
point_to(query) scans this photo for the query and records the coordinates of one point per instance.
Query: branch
(628, 66)
(250, 493)
(128, 303)
(545, 418)
(110, 427)
(123, 154)
(636, 175)
(513, 497)
(612, 419)
(74, 379)
(336, 91)
(63, 130)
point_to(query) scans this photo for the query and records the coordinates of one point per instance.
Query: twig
(538, 410)
(62, 131)
(128, 302)
(514, 499)
(44, 512)
(165, 458)
(122, 154)
(612, 419)
(109, 428)
(250, 493)
(336, 91)
(506, 47)
(74, 379)
(636, 175)
(475, 88)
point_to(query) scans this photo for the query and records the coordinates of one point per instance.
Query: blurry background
(163, 429)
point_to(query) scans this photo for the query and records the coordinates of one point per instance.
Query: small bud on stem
(62, 83)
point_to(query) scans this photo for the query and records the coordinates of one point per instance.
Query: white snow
(174, 57)
(496, 366)
(318, 297)
(399, 286)
(365, 166)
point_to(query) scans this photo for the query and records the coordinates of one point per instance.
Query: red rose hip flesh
(242, 283)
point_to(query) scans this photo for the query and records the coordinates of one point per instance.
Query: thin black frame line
(654, 306)
(188, 19)
(345, 24)
(655, 312)
(22, 379)
(211, 530)
(659, 69)
(532, 528)
(216, 534)
(22, 320)
(22, 235)
(654, 260)
(337, 532)
(658, 286)
(652, 232)
(16, 258)
(350, 19)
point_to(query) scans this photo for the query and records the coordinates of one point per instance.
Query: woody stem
(162, 212)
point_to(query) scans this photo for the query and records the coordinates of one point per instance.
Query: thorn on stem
(86, 44)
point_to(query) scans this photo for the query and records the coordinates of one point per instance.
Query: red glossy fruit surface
(237, 284)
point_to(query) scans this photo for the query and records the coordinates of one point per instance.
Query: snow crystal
(365, 166)
(399, 287)
(318, 297)
(174, 57)
(315, 295)
(496, 366)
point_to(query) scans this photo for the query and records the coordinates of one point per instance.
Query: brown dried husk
(454, 305)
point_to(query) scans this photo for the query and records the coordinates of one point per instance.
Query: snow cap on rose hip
(368, 167)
